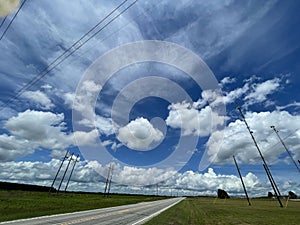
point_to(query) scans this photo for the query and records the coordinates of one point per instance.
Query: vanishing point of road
(133, 214)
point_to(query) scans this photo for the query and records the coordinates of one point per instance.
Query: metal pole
(71, 172)
(58, 171)
(238, 169)
(286, 149)
(261, 155)
(65, 173)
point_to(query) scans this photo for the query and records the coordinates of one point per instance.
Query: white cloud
(238, 142)
(86, 138)
(32, 129)
(12, 148)
(139, 134)
(40, 98)
(260, 92)
(69, 99)
(227, 80)
(192, 120)
(136, 180)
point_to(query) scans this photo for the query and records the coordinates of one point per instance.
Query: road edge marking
(156, 213)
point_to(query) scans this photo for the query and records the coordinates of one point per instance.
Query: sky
(152, 91)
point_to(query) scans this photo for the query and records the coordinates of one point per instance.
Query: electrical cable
(63, 56)
(4, 32)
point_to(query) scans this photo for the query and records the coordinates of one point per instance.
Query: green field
(24, 204)
(210, 211)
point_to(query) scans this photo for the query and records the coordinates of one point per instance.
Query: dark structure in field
(222, 194)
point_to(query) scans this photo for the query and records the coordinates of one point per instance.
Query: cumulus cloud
(32, 129)
(192, 120)
(39, 98)
(137, 180)
(237, 140)
(86, 138)
(139, 134)
(12, 148)
(209, 182)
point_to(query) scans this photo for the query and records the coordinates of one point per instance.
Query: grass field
(209, 211)
(24, 204)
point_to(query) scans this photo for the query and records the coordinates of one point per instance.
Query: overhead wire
(61, 58)
(4, 32)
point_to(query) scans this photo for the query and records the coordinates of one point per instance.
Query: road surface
(127, 214)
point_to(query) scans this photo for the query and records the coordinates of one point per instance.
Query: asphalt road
(127, 214)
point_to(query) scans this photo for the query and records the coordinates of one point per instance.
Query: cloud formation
(39, 98)
(139, 134)
(32, 129)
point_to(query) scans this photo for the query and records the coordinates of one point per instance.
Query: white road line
(156, 213)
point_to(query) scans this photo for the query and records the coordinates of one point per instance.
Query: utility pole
(238, 169)
(62, 179)
(262, 157)
(72, 172)
(62, 162)
(108, 180)
(286, 149)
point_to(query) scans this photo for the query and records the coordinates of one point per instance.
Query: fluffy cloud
(210, 182)
(32, 129)
(12, 148)
(39, 98)
(136, 180)
(192, 120)
(139, 134)
(86, 138)
(237, 140)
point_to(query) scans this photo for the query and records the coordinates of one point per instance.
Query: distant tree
(222, 194)
(292, 195)
(270, 195)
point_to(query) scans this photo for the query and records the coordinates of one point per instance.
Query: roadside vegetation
(210, 211)
(26, 204)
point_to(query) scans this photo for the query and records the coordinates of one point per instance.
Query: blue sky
(168, 104)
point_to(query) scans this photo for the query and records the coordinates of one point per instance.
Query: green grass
(209, 211)
(24, 204)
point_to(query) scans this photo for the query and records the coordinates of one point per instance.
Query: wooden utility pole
(268, 172)
(238, 169)
(62, 162)
(76, 160)
(62, 179)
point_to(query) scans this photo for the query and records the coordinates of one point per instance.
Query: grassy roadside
(24, 204)
(197, 211)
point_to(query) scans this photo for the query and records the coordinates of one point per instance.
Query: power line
(286, 149)
(64, 55)
(12, 19)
